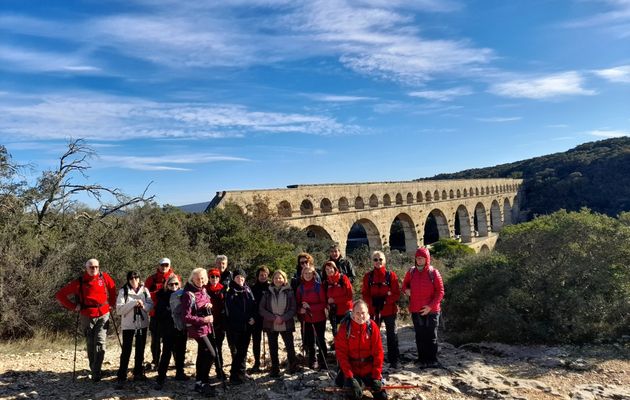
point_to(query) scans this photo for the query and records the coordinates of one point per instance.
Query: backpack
(431, 273)
(388, 279)
(347, 320)
(175, 303)
(126, 292)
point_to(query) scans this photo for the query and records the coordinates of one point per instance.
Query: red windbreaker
(380, 289)
(423, 291)
(312, 293)
(360, 353)
(155, 283)
(96, 294)
(338, 287)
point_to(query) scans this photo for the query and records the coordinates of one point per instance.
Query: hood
(424, 252)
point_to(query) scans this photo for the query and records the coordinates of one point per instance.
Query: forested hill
(594, 175)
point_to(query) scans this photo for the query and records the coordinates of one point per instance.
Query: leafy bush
(558, 279)
(448, 251)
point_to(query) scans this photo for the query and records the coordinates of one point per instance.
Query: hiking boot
(393, 365)
(380, 395)
(159, 384)
(120, 384)
(198, 387)
(235, 380)
(432, 364)
(181, 376)
(255, 369)
(95, 377)
(293, 367)
(208, 390)
(275, 372)
(139, 378)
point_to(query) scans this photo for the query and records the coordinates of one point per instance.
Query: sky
(194, 97)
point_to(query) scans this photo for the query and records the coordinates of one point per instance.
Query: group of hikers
(215, 303)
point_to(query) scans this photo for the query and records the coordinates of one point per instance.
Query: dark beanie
(240, 271)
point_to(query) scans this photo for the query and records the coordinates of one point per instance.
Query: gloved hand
(377, 385)
(355, 387)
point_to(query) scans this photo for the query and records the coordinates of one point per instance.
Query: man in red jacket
(423, 284)
(155, 283)
(381, 291)
(360, 354)
(93, 293)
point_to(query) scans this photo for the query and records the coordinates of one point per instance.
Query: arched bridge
(400, 215)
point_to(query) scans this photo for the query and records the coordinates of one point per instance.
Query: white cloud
(619, 74)
(609, 133)
(116, 118)
(339, 98)
(162, 162)
(35, 60)
(499, 119)
(442, 95)
(550, 86)
(616, 19)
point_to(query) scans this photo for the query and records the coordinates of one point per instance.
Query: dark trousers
(256, 339)
(314, 332)
(127, 341)
(426, 328)
(392, 338)
(287, 338)
(240, 342)
(155, 341)
(175, 345)
(205, 358)
(219, 337)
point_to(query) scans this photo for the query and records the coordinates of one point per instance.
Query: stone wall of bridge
(467, 209)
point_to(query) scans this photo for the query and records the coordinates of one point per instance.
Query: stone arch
(325, 206)
(444, 194)
(399, 199)
(462, 224)
(481, 223)
(343, 204)
(484, 249)
(487, 190)
(507, 212)
(306, 207)
(477, 192)
(495, 216)
(419, 197)
(284, 209)
(371, 237)
(458, 194)
(387, 201)
(435, 227)
(436, 195)
(451, 194)
(427, 195)
(465, 192)
(358, 203)
(409, 198)
(482, 191)
(318, 232)
(402, 234)
(373, 201)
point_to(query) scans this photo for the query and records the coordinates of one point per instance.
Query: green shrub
(558, 279)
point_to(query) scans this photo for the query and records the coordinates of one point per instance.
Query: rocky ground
(474, 371)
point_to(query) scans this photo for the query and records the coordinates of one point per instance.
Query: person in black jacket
(240, 310)
(343, 265)
(174, 340)
(258, 288)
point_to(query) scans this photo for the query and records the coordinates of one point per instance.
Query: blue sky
(200, 96)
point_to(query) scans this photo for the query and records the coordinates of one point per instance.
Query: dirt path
(475, 371)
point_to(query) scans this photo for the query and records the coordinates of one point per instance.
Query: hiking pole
(333, 319)
(264, 350)
(113, 319)
(319, 347)
(219, 362)
(76, 335)
(385, 387)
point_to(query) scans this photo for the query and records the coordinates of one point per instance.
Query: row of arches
(464, 225)
(285, 209)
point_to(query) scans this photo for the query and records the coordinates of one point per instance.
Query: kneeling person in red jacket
(360, 354)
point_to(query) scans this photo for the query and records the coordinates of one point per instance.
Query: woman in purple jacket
(197, 310)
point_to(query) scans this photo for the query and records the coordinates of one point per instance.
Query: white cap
(164, 261)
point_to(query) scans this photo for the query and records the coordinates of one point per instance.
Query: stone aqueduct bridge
(473, 210)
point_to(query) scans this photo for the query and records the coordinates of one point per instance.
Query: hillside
(594, 175)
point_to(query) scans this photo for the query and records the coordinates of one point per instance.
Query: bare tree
(56, 189)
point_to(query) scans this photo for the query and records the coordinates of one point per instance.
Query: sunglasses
(214, 276)
(164, 265)
(303, 262)
(377, 259)
(93, 266)
(173, 284)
